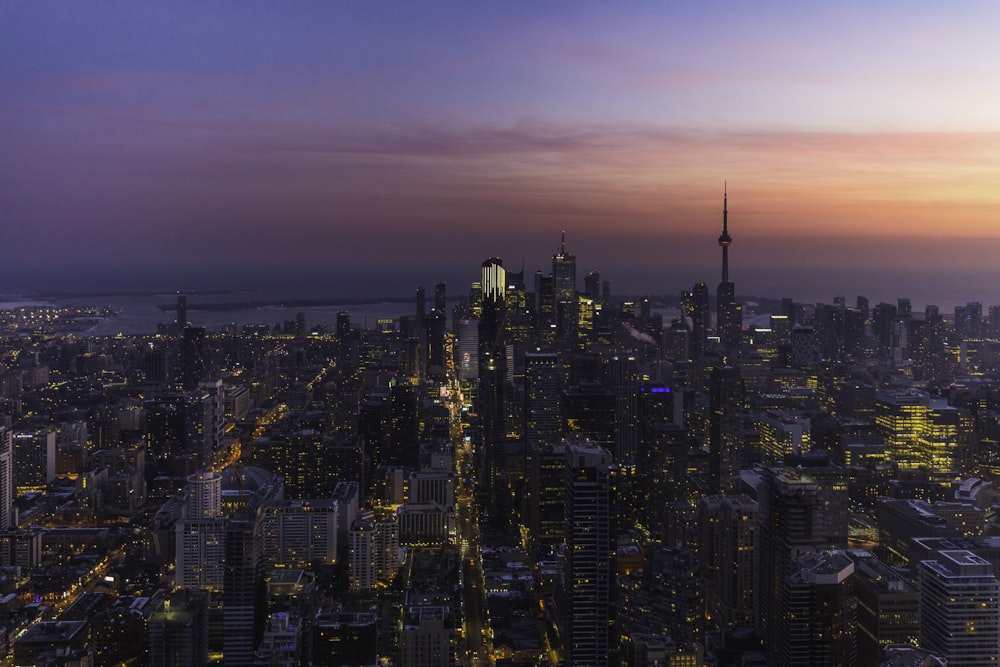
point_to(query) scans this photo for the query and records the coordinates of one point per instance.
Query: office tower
(7, 518)
(404, 427)
(904, 309)
(192, 357)
(34, 459)
(725, 412)
(177, 633)
(728, 321)
(467, 362)
(727, 536)
(960, 608)
(243, 593)
(343, 327)
(435, 326)
(805, 354)
(490, 399)
(564, 292)
(801, 511)
(783, 433)
(888, 608)
(182, 314)
(440, 297)
(588, 411)
(592, 285)
(920, 431)
(927, 343)
(818, 613)
(696, 307)
(541, 397)
(155, 367)
(625, 386)
(421, 302)
(884, 316)
(545, 495)
(587, 609)
(661, 455)
(901, 523)
(862, 305)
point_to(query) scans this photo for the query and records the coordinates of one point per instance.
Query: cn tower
(725, 240)
(728, 321)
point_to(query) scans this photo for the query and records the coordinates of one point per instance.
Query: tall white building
(7, 519)
(960, 608)
(200, 544)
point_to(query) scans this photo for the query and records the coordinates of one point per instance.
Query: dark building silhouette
(725, 412)
(193, 363)
(588, 591)
(801, 511)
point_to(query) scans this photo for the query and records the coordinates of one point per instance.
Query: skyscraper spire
(728, 323)
(562, 244)
(725, 240)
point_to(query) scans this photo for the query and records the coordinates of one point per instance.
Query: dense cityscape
(533, 472)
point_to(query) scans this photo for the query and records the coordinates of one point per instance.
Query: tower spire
(562, 244)
(725, 240)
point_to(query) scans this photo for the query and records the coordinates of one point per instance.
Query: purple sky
(376, 146)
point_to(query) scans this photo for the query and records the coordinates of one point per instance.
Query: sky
(363, 147)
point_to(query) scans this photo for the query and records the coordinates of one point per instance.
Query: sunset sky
(370, 147)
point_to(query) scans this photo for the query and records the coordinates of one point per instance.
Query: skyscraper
(565, 299)
(490, 405)
(960, 608)
(587, 609)
(6, 480)
(728, 323)
(801, 511)
(541, 397)
(726, 408)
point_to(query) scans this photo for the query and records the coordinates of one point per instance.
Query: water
(141, 315)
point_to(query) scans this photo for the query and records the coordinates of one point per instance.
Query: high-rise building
(588, 591)
(374, 551)
(817, 621)
(625, 385)
(200, 534)
(177, 633)
(727, 535)
(541, 396)
(7, 518)
(801, 511)
(725, 411)
(545, 495)
(920, 431)
(888, 607)
(182, 314)
(564, 292)
(192, 357)
(490, 399)
(960, 608)
(34, 459)
(244, 589)
(696, 308)
(440, 297)
(729, 316)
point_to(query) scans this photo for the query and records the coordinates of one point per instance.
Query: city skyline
(194, 147)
